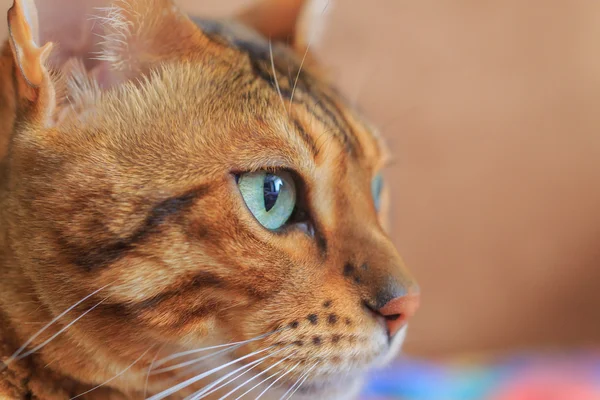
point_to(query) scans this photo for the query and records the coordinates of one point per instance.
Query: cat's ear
(106, 42)
(34, 86)
(117, 35)
(139, 34)
(301, 23)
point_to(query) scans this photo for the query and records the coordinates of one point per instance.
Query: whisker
(35, 335)
(232, 347)
(196, 378)
(295, 384)
(303, 380)
(195, 361)
(298, 76)
(254, 377)
(277, 380)
(36, 348)
(150, 369)
(302, 62)
(203, 392)
(229, 381)
(114, 377)
(275, 74)
(258, 384)
(188, 352)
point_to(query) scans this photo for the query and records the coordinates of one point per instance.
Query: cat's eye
(270, 197)
(376, 189)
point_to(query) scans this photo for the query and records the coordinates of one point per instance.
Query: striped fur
(130, 195)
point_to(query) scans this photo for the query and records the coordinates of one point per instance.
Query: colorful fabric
(524, 377)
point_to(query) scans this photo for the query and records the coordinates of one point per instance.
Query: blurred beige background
(492, 111)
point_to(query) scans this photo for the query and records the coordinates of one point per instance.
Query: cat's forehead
(283, 72)
(254, 100)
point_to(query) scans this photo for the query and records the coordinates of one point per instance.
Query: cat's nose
(399, 310)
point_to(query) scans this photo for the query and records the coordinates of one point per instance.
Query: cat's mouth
(315, 358)
(283, 362)
(315, 377)
(325, 377)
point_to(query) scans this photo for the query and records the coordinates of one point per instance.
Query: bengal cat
(188, 208)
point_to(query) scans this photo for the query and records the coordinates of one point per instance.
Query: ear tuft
(139, 33)
(79, 91)
(30, 58)
(117, 38)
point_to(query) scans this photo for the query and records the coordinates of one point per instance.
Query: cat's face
(206, 205)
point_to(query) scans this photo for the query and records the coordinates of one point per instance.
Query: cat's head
(193, 183)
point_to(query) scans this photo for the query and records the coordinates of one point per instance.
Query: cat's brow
(104, 254)
(306, 138)
(308, 93)
(319, 99)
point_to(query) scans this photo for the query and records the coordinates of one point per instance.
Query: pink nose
(398, 310)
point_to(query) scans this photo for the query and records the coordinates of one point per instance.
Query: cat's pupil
(271, 189)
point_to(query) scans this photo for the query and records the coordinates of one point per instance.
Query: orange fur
(118, 181)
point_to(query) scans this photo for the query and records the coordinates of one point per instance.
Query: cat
(188, 207)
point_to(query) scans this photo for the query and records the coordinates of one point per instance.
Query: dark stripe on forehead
(317, 98)
(110, 250)
(308, 140)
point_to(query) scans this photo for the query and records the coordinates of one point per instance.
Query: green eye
(271, 198)
(376, 188)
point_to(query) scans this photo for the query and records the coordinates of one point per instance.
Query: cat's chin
(329, 381)
(346, 386)
(343, 385)
(394, 348)
(336, 387)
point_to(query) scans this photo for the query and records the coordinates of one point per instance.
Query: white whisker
(303, 380)
(298, 76)
(207, 390)
(275, 74)
(294, 385)
(253, 378)
(258, 384)
(114, 377)
(188, 352)
(150, 369)
(310, 40)
(196, 378)
(199, 393)
(32, 338)
(277, 380)
(195, 360)
(36, 348)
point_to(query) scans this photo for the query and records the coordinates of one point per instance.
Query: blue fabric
(509, 378)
